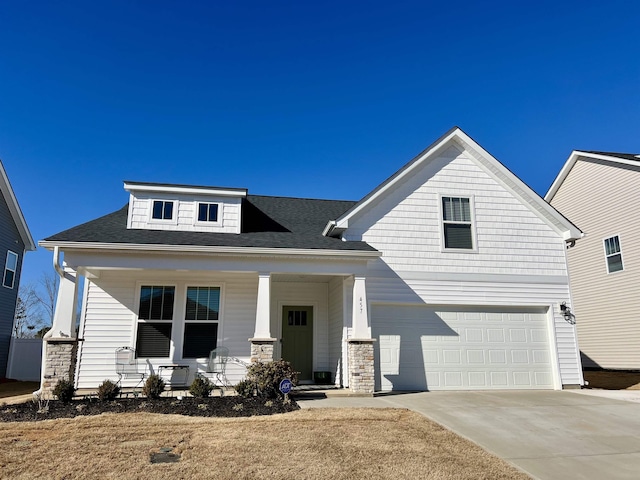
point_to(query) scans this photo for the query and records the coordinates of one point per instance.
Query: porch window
(10, 267)
(202, 315)
(155, 317)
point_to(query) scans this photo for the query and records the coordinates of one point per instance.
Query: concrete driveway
(548, 434)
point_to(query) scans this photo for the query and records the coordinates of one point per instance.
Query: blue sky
(309, 99)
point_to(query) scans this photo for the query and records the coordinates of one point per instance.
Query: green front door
(297, 339)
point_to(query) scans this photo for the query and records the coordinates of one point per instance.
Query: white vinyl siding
(109, 321)
(606, 305)
(336, 329)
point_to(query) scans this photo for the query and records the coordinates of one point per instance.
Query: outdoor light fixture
(566, 313)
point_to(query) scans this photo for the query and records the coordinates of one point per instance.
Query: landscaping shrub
(107, 391)
(266, 377)
(153, 387)
(64, 390)
(245, 388)
(201, 387)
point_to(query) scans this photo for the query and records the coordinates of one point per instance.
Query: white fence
(25, 359)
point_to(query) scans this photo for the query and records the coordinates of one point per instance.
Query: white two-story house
(448, 276)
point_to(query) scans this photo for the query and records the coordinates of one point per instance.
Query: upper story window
(208, 212)
(155, 318)
(457, 224)
(10, 267)
(613, 254)
(162, 210)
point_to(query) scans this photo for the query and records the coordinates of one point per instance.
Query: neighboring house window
(202, 315)
(10, 267)
(162, 210)
(155, 317)
(613, 254)
(207, 212)
(456, 216)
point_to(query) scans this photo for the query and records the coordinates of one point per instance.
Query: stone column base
(60, 362)
(262, 349)
(361, 373)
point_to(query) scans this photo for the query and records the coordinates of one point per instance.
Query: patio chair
(127, 367)
(217, 366)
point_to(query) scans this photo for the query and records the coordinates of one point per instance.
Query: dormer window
(208, 212)
(162, 210)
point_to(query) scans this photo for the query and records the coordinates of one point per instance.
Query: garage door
(432, 348)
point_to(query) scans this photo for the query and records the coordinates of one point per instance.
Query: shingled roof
(625, 156)
(267, 222)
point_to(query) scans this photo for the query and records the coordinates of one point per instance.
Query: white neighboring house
(600, 191)
(448, 276)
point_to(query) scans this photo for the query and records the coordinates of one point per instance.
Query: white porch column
(360, 315)
(262, 343)
(64, 317)
(60, 344)
(360, 345)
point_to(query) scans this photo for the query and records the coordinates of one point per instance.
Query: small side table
(174, 375)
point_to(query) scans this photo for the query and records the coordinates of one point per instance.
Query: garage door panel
(422, 348)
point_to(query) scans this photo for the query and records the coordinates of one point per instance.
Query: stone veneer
(361, 374)
(262, 349)
(60, 362)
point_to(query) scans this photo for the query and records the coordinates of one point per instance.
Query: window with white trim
(10, 268)
(208, 212)
(162, 210)
(155, 320)
(457, 225)
(613, 254)
(202, 317)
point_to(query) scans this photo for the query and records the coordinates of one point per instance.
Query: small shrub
(238, 407)
(245, 388)
(64, 390)
(266, 377)
(153, 387)
(201, 387)
(108, 391)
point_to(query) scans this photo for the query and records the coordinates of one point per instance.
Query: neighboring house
(448, 276)
(15, 240)
(600, 191)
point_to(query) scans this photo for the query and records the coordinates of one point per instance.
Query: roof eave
(16, 211)
(210, 249)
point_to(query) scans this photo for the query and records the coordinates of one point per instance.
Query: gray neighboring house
(600, 192)
(15, 240)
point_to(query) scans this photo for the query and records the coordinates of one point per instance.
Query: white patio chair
(217, 366)
(127, 367)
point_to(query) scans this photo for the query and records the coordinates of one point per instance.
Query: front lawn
(307, 444)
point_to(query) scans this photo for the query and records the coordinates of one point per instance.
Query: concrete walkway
(548, 434)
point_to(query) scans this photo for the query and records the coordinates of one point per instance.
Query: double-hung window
(155, 319)
(202, 316)
(457, 225)
(162, 210)
(613, 254)
(10, 268)
(208, 212)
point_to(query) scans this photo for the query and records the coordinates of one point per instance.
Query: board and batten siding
(602, 199)
(10, 239)
(185, 212)
(110, 315)
(513, 243)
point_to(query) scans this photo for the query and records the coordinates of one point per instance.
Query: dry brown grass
(612, 380)
(309, 444)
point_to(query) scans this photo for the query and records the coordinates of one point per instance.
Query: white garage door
(433, 348)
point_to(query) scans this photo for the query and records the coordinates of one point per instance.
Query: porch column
(360, 345)
(60, 343)
(262, 343)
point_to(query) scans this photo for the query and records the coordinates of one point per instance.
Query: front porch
(256, 316)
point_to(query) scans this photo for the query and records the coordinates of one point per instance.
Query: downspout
(49, 334)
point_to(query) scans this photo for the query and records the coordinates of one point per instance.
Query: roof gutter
(257, 251)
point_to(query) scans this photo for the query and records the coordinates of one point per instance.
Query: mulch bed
(232, 406)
